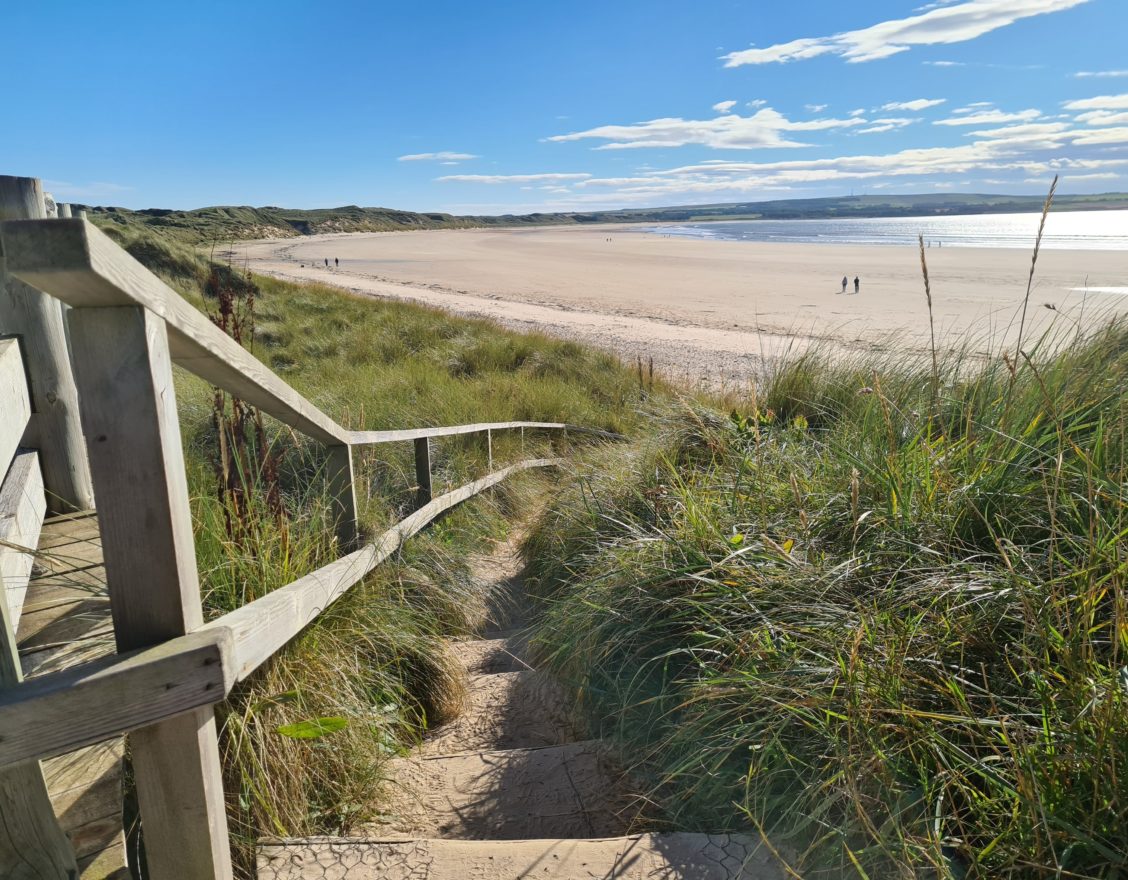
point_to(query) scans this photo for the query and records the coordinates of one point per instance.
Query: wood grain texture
(25, 313)
(13, 400)
(22, 506)
(32, 845)
(262, 627)
(124, 369)
(80, 265)
(53, 714)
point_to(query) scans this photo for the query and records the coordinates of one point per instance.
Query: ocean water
(1080, 230)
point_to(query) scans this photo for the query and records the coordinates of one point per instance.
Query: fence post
(64, 211)
(342, 486)
(423, 469)
(36, 319)
(124, 373)
(489, 450)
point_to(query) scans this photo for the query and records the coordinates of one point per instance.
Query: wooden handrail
(58, 713)
(76, 262)
(363, 438)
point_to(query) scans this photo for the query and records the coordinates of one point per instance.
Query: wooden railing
(126, 330)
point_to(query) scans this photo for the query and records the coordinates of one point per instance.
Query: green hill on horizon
(225, 223)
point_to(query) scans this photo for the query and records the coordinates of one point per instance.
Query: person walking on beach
(336, 263)
(326, 262)
(845, 281)
(857, 284)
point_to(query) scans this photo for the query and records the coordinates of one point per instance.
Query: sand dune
(708, 311)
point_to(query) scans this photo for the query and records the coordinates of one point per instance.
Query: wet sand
(707, 311)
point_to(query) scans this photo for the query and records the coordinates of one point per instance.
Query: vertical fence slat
(423, 470)
(129, 415)
(342, 487)
(54, 429)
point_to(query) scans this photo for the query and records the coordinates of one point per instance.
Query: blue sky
(512, 105)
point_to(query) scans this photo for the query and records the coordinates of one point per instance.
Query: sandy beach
(707, 311)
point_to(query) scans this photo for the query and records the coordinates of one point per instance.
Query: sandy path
(704, 310)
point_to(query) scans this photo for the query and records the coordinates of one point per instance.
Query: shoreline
(709, 312)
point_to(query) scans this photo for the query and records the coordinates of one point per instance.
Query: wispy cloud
(815, 108)
(988, 117)
(1100, 102)
(442, 156)
(551, 177)
(1100, 74)
(944, 25)
(767, 128)
(914, 106)
(724, 106)
(878, 126)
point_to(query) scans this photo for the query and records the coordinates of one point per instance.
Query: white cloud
(443, 156)
(514, 178)
(766, 128)
(1103, 117)
(914, 106)
(887, 124)
(816, 108)
(859, 112)
(757, 103)
(945, 63)
(944, 25)
(1100, 102)
(990, 117)
(1100, 74)
(724, 106)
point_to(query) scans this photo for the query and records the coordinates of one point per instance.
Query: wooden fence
(105, 357)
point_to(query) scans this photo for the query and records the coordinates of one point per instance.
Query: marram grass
(887, 631)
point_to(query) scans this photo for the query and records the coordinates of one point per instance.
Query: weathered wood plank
(22, 505)
(32, 845)
(262, 627)
(362, 438)
(107, 864)
(80, 265)
(124, 370)
(13, 398)
(58, 713)
(36, 319)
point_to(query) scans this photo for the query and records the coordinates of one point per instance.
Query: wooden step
(642, 857)
(509, 710)
(560, 791)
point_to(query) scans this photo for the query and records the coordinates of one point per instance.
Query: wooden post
(54, 429)
(423, 470)
(64, 211)
(343, 490)
(129, 415)
(489, 450)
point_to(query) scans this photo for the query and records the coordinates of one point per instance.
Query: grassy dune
(883, 625)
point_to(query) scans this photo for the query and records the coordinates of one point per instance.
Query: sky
(512, 106)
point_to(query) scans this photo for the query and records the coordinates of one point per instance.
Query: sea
(1066, 230)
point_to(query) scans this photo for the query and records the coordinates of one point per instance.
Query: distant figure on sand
(326, 262)
(857, 284)
(336, 263)
(844, 283)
